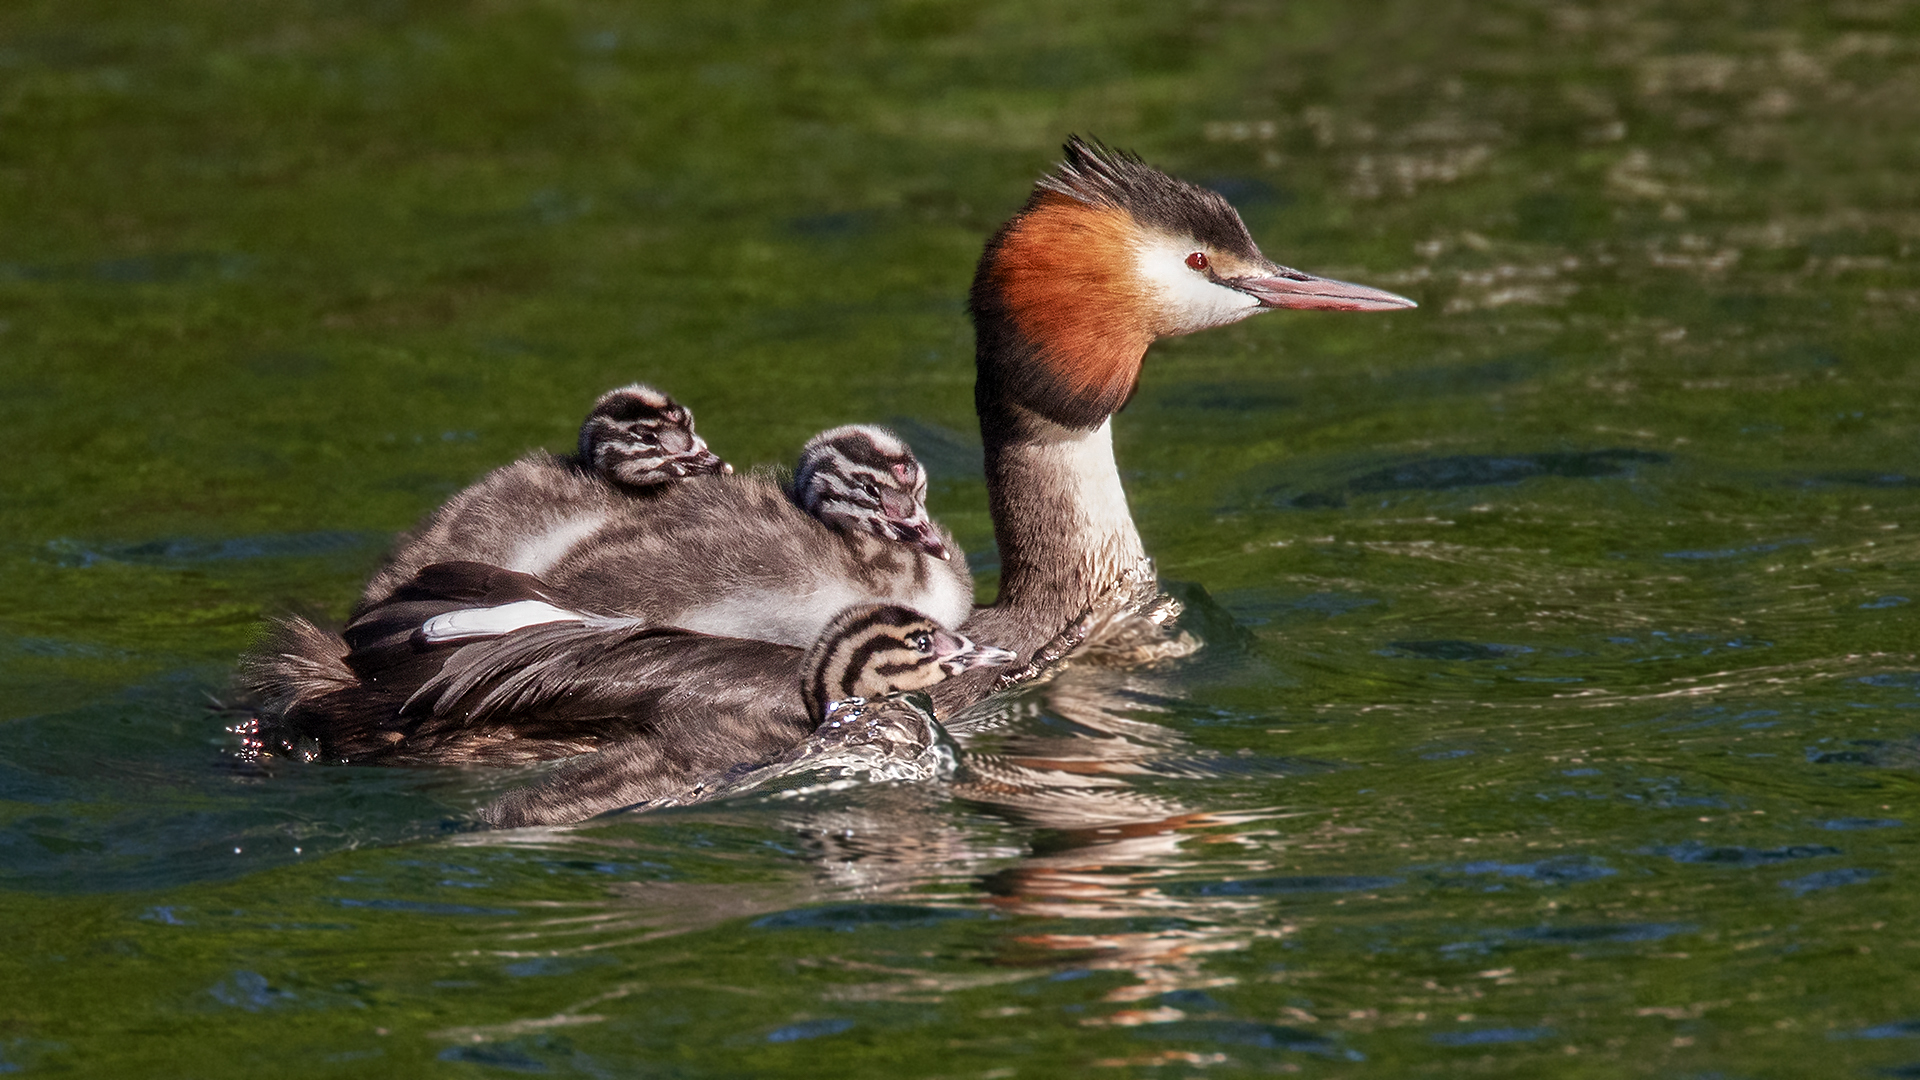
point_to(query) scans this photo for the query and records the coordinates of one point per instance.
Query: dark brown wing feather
(380, 640)
(569, 669)
(542, 692)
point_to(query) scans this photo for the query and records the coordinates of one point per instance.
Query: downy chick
(741, 557)
(526, 516)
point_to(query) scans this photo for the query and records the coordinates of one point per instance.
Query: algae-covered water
(1559, 711)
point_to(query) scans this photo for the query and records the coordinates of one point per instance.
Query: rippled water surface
(1558, 715)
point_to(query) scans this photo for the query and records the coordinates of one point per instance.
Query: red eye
(1198, 260)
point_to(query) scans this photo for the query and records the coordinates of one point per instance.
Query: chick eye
(921, 641)
(1198, 260)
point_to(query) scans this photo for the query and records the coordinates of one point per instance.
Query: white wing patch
(494, 621)
(798, 616)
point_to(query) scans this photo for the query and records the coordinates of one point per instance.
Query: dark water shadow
(193, 551)
(1471, 470)
(160, 269)
(1454, 650)
(1865, 478)
(141, 791)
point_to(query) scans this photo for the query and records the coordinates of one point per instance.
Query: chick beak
(700, 461)
(907, 522)
(920, 532)
(957, 654)
(1286, 288)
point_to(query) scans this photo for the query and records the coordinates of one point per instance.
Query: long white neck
(1061, 519)
(1046, 413)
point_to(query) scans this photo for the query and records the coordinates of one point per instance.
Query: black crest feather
(1099, 175)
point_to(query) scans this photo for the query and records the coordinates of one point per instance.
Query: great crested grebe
(578, 682)
(1107, 256)
(526, 515)
(638, 437)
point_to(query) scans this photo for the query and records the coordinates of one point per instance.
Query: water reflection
(1111, 852)
(1119, 874)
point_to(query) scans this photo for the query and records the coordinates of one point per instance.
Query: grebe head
(872, 650)
(640, 437)
(862, 478)
(1108, 255)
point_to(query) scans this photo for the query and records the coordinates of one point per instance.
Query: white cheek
(1186, 299)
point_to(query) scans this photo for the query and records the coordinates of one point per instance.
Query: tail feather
(297, 663)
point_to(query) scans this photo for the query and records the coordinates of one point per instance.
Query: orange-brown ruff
(1065, 276)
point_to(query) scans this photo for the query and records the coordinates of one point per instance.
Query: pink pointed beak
(1285, 288)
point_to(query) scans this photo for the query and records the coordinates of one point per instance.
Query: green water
(1558, 709)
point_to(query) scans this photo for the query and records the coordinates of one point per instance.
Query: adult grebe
(1107, 256)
